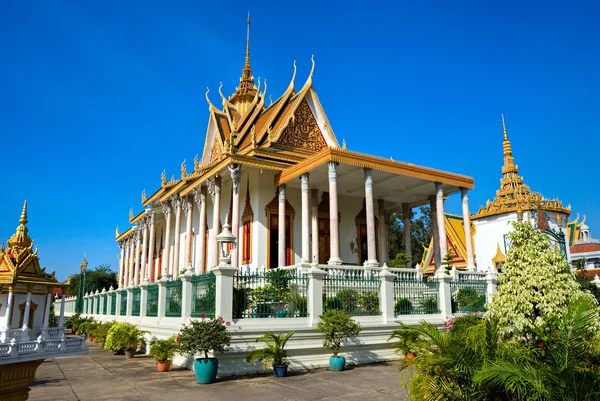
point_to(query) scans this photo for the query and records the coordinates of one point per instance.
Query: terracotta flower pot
(163, 366)
(410, 356)
(129, 353)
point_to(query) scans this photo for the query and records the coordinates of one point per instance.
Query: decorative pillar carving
(234, 170)
(441, 222)
(150, 261)
(464, 192)
(314, 195)
(189, 210)
(282, 259)
(406, 215)
(215, 194)
(200, 199)
(305, 218)
(176, 203)
(370, 212)
(166, 259)
(334, 229)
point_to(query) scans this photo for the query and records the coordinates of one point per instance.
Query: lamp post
(82, 266)
(224, 239)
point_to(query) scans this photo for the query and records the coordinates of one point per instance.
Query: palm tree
(274, 353)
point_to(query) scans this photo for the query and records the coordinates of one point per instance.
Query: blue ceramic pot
(337, 363)
(280, 371)
(206, 370)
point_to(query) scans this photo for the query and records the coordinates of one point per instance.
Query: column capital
(185, 205)
(234, 170)
(175, 202)
(281, 192)
(368, 177)
(304, 182)
(214, 187)
(166, 208)
(332, 171)
(199, 195)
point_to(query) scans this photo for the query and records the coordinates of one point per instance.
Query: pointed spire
(21, 238)
(248, 41)
(509, 166)
(507, 147)
(246, 90)
(23, 219)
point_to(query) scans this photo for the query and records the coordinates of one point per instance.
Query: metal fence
(415, 295)
(105, 304)
(152, 301)
(113, 304)
(273, 293)
(173, 306)
(468, 295)
(97, 301)
(352, 291)
(204, 295)
(123, 310)
(136, 298)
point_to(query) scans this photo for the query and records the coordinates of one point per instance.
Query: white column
(369, 205)
(150, 261)
(435, 233)
(334, 229)
(386, 294)
(9, 306)
(406, 215)
(144, 268)
(215, 193)
(61, 319)
(314, 197)
(383, 242)
(235, 211)
(166, 258)
(121, 263)
(47, 310)
(138, 245)
(282, 259)
(27, 310)
(305, 218)
(441, 222)
(189, 212)
(315, 293)
(131, 259)
(200, 198)
(177, 207)
(464, 192)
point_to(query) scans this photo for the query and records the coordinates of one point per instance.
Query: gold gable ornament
(498, 259)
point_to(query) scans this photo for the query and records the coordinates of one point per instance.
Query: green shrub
(274, 353)
(204, 336)
(163, 350)
(331, 303)
(124, 336)
(403, 307)
(369, 301)
(468, 299)
(241, 297)
(430, 305)
(279, 279)
(263, 309)
(348, 299)
(87, 326)
(337, 327)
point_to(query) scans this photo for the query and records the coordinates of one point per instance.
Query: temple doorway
(324, 241)
(273, 234)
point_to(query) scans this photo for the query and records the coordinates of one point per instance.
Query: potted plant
(163, 351)
(274, 353)
(407, 342)
(124, 336)
(337, 327)
(204, 336)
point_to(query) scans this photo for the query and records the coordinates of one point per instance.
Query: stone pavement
(104, 376)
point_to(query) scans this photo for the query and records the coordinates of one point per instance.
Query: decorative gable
(217, 150)
(303, 131)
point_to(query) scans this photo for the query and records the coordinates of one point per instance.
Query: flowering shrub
(204, 336)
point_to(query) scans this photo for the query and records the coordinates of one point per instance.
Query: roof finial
(248, 41)
(504, 126)
(23, 219)
(506, 144)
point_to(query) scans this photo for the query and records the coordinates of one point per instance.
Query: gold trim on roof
(499, 257)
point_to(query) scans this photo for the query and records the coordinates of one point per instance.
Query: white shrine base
(305, 348)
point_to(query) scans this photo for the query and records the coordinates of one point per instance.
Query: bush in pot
(337, 327)
(274, 353)
(201, 337)
(163, 351)
(124, 336)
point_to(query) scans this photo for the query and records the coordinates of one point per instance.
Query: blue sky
(99, 97)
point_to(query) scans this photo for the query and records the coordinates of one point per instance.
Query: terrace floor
(100, 375)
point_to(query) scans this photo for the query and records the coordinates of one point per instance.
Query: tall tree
(95, 279)
(420, 229)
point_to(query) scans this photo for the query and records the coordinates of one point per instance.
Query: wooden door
(274, 241)
(324, 241)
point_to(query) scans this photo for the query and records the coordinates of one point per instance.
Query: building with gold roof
(291, 193)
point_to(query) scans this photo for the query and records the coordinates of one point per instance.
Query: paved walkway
(104, 376)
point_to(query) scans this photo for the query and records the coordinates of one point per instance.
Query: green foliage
(95, 279)
(87, 326)
(348, 299)
(75, 321)
(206, 335)
(241, 297)
(298, 304)
(369, 301)
(400, 260)
(52, 319)
(468, 299)
(337, 327)
(585, 282)
(403, 306)
(537, 283)
(274, 353)
(163, 350)
(124, 336)
(100, 331)
(279, 278)
(430, 305)
(269, 293)
(420, 234)
(263, 309)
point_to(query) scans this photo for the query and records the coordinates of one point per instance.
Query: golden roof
(513, 194)
(19, 263)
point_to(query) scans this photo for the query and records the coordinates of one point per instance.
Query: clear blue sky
(99, 97)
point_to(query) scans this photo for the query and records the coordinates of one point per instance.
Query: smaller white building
(585, 249)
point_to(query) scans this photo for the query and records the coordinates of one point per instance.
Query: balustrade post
(492, 286)
(224, 291)
(445, 294)
(315, 293)
(186, 293)
(118, 301)
(109, 300)
(103, 302)
(386, 294)
(143, 297)
(162, 296)
(129, 308)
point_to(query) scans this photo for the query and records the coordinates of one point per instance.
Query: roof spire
(248, 41)
(245, 92)
(506, 143)
(23, 219)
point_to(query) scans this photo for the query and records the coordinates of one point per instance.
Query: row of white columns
(26, 313)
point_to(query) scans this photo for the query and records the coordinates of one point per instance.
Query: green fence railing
(123, 309)
(104, 304)
(273, 293)
(173, 306)
(468, 295)
(136, 298)
(355, 292)
(203, 295)
(152, 301)
(414, 296)
(97, 301)
(113, 304)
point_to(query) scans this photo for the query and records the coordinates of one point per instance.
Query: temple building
(584, 250)
(514, 201)
(290, 192)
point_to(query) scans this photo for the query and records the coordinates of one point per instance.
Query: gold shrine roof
(514, 195)
(19, 263)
